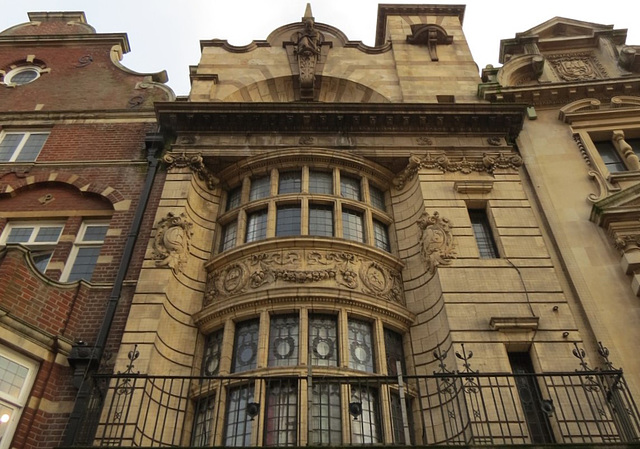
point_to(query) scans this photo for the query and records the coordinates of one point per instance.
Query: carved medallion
(172, 242)
(576, 67)
(436, 240)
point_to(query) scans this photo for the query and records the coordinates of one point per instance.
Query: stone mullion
(304, 216)
(271, 218)
(226, 352)
(246, 189)
(305, 179)
(631, 159)
(241, 231)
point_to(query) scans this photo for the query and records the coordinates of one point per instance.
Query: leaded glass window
(283, 340)
(321, 182)
(290, 182)
(256, 226)
(361, 346)
(381, 236)
(229, 236)
(238, 423)
(288, 220)
(321, 220)
(350, 188)
(234, 197)
(260, 188)
(482, 231)
(366, 429)
(204, 421)
(397, 419)
(245, 348)
(281, 420)
(325, 423)
(323, 340)
(212, 350)
(394, 351)
(352, 227)
(377, 197)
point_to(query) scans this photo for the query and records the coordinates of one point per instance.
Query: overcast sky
(165, 34)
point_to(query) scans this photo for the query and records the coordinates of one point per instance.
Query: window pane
(366, 429)
(281, 420)
(397, 420)
(395, 352)
(212, 349)
(257, 226)
(288, 221)
(260, 188)
(84, 264)
(48, 234)
(321, 220)
(245, 347)
(352, 228)
(381, 236)
(290, 182)
(283, 341)
(32, 147)
(610, 156)
(482, 231)
(325, 426)
(238, 423)
(8, 145)
(360, 346)
(323, 340)
(19, 235)
(229, 234)
(321, 182)
(350, 188)
(95, 233)
(377, 197)
(203, 422)
(233, 198)
(12, 377)
(41, 259)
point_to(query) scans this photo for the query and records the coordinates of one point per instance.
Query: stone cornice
(385, 10)
(558, 93)
(67, 39)
(372, 118)
(45, 117)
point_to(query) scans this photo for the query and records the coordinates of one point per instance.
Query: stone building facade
(359, 244)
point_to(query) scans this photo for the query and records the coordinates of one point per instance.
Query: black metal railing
(441, 409)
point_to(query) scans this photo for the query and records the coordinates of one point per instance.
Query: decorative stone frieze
(195, 163)
(440, 161)
(172, 242)
(311, 267)
(436, 240)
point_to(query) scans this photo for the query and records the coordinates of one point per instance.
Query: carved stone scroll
(436, 240)
(195, 163)
(172, 242)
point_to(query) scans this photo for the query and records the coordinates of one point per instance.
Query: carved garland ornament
(489, 163)
(300, 267)
(172, 242)
(436, 240)
(195, 163)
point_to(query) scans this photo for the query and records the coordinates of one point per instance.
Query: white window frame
(16, 71)
(79, 244)
(19, 402)
(31, 243)
(25, 137)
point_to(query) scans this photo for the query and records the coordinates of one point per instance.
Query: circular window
(22, 75)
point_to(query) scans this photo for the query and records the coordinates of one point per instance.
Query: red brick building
(78, 166)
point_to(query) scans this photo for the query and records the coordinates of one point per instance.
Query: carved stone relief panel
(436, 240)
(322, 268)
(172, 242)
(577, 67)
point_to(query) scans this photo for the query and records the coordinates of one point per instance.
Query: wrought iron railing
(448, 408)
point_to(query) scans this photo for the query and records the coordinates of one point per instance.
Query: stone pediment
(560, 27)
(621, 206)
